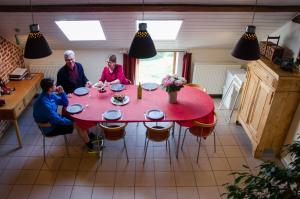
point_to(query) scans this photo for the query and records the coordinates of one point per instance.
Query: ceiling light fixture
(142, 45)
(36, 45)
(247, 47)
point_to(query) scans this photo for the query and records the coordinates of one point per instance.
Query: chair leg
(169, 150)
(44, 150)
(125, 149)
(183, 139)
(102, 152)
(147, 143)
(173, 129)
(215, 141)
(178, 142)
(199, 149)
(66, 145)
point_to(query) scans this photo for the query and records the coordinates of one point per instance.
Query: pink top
(117, 73)
(192, 104)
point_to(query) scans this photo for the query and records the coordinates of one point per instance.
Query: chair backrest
(158, 133)
(43, 125)
(197, 86)
(114, 131)
(203, 129)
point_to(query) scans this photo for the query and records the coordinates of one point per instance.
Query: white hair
(69, 54)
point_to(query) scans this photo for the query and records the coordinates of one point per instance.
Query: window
(155, 68)
(82, 30)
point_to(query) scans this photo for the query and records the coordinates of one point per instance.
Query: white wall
(93, 61)
(289, 38)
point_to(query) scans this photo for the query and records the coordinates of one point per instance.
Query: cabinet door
(249, 91)
(260, 109)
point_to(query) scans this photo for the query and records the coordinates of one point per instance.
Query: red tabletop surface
(192, 104)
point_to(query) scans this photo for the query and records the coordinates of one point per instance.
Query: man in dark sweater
(71, 75)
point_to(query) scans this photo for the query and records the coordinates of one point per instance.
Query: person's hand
(88, 84)
(101, 84)
(60, 89)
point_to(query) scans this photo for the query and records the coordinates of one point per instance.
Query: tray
(74, 108)
(116, 102)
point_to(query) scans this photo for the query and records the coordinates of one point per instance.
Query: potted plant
(171, 84)
(272, 181)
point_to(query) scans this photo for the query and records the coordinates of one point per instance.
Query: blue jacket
(45, 110)
(63, 78)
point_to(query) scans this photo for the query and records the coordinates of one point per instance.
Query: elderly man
(45, 111)
(71, 75)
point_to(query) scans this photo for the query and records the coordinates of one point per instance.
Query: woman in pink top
(113, 73)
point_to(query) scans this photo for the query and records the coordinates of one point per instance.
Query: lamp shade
(36, 44)
(142, 45)
(247, 47)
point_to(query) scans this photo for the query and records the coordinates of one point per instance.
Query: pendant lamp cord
(254, 11)
(143, 9)
(31, 11)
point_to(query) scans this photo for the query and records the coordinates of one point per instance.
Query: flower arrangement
(172, 83)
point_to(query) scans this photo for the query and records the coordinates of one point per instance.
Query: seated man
(45, 111)
(71, 75)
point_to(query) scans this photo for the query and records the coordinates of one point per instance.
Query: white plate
(112, 114)
(117, 87)
(74, 108)
(81, 91)
(149, 86)
(155, 114)
(116, 102)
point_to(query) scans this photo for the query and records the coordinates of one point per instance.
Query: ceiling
(210, 29)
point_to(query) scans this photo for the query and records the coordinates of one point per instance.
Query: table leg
(18, 133)
(178, 143)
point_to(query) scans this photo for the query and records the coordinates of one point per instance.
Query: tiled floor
(80, 175)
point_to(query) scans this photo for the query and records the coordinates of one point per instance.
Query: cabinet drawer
(18, 109)
(29, 96)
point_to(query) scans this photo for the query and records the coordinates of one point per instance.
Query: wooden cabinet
(269, 100)
(16, 102)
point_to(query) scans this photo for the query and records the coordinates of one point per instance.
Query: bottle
(139, 91)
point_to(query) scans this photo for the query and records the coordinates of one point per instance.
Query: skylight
(162, 30)
(82, 30)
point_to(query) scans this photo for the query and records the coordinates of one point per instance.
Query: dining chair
(46, 125)
(199, 86)
(114, 132)
(202, 130)
(157, 133)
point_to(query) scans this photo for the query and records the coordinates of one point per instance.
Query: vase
(173, 97)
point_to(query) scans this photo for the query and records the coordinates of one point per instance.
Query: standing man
(71, 75)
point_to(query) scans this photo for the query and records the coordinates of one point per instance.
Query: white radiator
(48, 70)
(211, 76)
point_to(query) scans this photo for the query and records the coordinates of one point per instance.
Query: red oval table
(192, 104)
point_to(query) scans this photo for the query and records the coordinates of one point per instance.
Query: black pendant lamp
(142, 45)
(247, 47)
(36, 45)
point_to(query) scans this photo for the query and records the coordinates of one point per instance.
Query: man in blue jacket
(45, 111)
(71, 75)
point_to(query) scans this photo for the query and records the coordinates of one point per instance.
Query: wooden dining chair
(202, 130)
(199, 86)
(114, 132)
(157, 133)
(46, 125)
